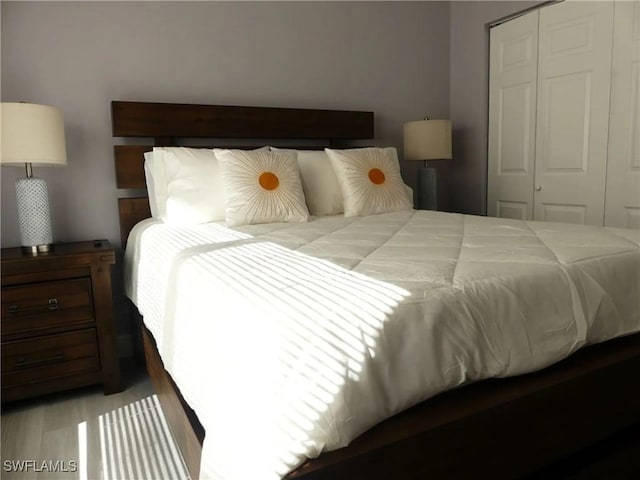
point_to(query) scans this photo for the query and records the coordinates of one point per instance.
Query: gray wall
(392, 58)
(469, 90)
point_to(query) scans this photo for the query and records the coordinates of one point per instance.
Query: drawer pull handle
(51, 305)
(22, 363)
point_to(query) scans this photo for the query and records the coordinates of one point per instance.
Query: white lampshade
(427, 140)
(31, 133)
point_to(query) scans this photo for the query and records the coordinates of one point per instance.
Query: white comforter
(288, 340)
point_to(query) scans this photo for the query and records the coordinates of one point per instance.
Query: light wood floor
(86, 435)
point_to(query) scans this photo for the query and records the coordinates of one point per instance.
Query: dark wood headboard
(166, 124)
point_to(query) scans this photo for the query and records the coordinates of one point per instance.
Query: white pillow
(193, 186)
(409, 191)
(162, 169)
(154, 203)
(370, 180)
(262, 187)
(319, 182)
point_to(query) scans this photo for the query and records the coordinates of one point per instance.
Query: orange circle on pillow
(268, 181)
(376, 176)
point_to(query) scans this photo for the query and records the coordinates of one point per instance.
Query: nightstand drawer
(44, 358)
(41, 306)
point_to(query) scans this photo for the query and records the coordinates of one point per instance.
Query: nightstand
(58, 327)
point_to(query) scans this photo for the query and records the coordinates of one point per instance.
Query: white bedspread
(288, 340)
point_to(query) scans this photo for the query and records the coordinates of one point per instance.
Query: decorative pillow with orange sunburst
(261, 187)
(370, 180)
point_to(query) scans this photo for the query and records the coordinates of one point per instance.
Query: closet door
(574, 72)
(512, 117)
(623, 169)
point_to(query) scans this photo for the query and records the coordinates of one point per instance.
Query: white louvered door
(574, 76)
(623, 170)
(512, 117)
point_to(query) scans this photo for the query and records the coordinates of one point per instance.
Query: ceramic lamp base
(34, 217)
(427, 195)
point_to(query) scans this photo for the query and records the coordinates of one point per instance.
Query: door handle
(538, 188)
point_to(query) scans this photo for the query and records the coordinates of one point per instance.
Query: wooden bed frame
(502, 428)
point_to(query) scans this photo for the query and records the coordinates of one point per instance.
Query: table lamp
(32, 134)
(427, 140)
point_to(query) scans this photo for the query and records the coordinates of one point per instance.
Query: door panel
(569, 37)
(574, 69)
(564, 213)
(514, 138)
(512, 114)
(623, 169)
(517, 210)
(566, 123)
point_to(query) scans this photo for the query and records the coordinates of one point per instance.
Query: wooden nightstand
(58, 327)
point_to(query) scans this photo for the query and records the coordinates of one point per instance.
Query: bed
(452, 427)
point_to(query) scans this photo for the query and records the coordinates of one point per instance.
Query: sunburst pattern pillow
(262, 187)
(370, 180)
